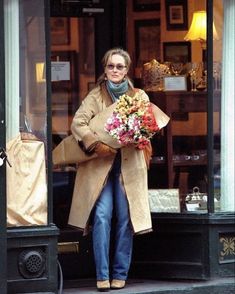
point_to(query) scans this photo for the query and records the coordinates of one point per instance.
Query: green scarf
(116, 90)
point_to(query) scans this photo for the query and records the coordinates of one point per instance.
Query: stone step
(214, 286)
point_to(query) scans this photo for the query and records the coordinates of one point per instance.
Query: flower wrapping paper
(132, 121)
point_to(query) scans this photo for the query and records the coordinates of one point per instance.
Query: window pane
(26, 111)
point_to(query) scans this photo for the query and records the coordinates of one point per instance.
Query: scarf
(116, 90)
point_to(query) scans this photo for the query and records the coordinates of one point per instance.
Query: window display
(26, 111)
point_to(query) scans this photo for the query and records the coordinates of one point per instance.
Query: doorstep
(214, 286)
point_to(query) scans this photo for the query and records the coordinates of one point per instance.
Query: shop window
(176, 79)
(26, 113)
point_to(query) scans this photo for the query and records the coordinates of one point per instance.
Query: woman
(114, 184)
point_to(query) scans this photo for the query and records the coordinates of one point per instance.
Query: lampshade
(197, 30)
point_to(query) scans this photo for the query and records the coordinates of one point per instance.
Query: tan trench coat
(92, 174)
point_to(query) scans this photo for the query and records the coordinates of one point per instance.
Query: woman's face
(116, 69)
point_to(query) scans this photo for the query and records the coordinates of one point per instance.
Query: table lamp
(197, 30)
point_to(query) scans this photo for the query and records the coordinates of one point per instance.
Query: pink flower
(132, 121)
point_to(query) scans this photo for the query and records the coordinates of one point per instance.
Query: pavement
(213, 286)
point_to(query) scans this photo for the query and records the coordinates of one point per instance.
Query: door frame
(3, 236)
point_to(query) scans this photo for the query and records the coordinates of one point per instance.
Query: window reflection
(72, 47)
(26, 113)
(223, 70)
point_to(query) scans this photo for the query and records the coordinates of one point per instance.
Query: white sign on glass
(60, 71)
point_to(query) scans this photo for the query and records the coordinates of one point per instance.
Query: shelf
(181, 160)
(183, 101)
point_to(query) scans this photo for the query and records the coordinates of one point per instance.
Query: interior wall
(73, 37)
(166, 35)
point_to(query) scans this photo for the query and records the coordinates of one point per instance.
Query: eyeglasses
(119, 67)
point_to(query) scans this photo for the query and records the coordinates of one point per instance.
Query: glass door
(72, 76)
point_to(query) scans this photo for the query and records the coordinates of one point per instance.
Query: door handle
(3, 157)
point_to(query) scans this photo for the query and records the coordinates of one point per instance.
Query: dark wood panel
(184, 101)
(181, 154)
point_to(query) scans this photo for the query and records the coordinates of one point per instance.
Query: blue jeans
(112, 200)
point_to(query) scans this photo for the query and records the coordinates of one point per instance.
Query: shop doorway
(81, 32)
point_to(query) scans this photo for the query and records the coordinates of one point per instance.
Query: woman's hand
(103, 150)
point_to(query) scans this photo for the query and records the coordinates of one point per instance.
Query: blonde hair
(108, 54)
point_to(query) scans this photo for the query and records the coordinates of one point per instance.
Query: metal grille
(32, 263)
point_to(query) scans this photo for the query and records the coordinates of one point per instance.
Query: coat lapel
(105, 95)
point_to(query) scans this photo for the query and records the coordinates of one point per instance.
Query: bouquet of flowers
(132, 121)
